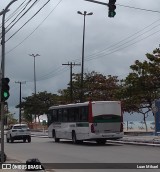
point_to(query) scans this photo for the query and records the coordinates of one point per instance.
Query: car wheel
(7, 139)
(29, 139)
(24, 140)
(11, 138)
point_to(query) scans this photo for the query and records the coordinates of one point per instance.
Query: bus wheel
(74, 138)
(101, 142)
(54, 136)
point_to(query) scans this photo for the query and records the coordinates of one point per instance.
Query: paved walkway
(140, 140)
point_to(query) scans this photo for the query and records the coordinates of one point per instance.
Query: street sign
(157, 116)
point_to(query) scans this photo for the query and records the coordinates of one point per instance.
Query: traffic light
(4, 89)
(112, 7)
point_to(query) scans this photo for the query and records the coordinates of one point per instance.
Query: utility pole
(3, 13)
(71, 86)
(20, 103)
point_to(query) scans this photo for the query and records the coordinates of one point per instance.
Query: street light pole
(82, 65)
(3, 13)
(33, 55)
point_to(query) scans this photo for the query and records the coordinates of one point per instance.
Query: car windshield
(20, 127)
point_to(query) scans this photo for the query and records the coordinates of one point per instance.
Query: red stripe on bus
(90, 117)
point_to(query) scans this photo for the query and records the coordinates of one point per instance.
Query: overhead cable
(22, 15)
(13, 13)
(19, 14)
(34, 29)
(28, 20)
(136, 8)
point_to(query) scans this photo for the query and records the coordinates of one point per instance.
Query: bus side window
(49, 116)
(71, 114)
(84, 114)
(54, 117)
(76, 114)
(65, 115)
(60, 115)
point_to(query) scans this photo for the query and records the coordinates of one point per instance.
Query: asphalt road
(47, 151)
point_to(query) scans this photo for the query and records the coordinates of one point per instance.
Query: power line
(34, 29)
(114, 48)
(21, 15)
(111, 52)
(136, 8)
(88, 58)
(111, 46)
(28, 20)
(47, 17)
(14, 12)
(58, 72)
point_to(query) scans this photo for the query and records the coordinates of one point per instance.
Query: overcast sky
(55, 33)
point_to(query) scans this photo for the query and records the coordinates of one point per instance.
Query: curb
(136, 143)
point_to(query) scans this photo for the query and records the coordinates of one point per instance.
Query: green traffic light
(5, 89)
(112, 13)
(5, 95)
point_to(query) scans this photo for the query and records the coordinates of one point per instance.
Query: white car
(18, 132)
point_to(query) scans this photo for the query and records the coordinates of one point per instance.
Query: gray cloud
(59, 40)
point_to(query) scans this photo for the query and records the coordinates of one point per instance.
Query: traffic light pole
(97, 2)
(111, 5)
(3, 13)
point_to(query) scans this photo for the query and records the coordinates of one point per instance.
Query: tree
(38, 104)
(101, 87)
(96, 86)
(10, 119)
(27, 117)
(141, 87)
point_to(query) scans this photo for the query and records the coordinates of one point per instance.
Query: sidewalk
(139, 140)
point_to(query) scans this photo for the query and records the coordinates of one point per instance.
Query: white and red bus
(98, 121)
